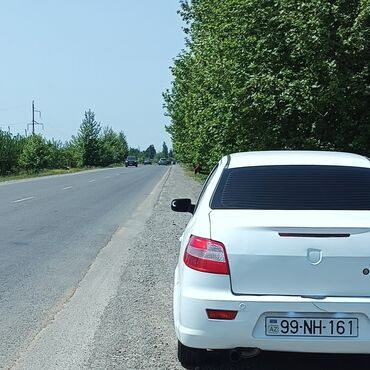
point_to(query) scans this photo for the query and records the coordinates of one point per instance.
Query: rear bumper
(194, 329)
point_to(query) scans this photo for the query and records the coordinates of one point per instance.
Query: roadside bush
(35, 154)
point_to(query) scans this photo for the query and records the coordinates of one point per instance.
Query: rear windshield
(131, 158)
(294, 188)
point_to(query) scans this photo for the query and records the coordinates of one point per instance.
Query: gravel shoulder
(136, 330)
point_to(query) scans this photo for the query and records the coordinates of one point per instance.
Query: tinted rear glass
(131, 158)
(294, 188)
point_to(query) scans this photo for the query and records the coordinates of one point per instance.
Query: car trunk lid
(304, 253)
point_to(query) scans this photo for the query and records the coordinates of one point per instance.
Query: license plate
(311, 327)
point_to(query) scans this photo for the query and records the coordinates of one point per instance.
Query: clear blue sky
(112, 56)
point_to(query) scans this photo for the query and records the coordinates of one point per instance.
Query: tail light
(206, 255)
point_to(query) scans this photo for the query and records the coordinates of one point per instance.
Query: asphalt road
(51, 230)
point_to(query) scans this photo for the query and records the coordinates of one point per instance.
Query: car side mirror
(182, 205)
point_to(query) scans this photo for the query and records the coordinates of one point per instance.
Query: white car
(276, 257)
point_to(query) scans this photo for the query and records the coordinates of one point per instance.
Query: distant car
(163, 162)
(131, 161)
(147, 161)
(276, 257)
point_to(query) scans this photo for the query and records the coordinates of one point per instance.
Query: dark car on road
(131, 161)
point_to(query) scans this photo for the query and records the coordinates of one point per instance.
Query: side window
(209, 178)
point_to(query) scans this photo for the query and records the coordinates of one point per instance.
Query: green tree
(134, 152)
(150, 152)
(35, 153)
(273, 74)
(73, 153)
(10, 149)
(124, 144)
(57, 157)
(113, 147)
(164, 150)
(88, 140)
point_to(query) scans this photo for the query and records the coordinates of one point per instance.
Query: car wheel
(190, 356)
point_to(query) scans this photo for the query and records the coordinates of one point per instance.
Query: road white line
(67, 187)
(92, 180)
(107, 177)
(22, 200)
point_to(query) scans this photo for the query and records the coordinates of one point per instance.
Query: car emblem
(314, 256)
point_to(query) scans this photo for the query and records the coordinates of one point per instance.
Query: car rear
(277, 256)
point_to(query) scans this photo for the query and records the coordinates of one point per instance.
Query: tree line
(270, 74)
(30, 154)
(94, 145)
(151, 153)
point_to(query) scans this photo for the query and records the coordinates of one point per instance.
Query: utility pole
(33, 118)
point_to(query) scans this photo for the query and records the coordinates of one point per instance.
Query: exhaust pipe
(238, 353)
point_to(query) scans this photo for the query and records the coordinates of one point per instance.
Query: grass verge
(58, 171)
(189, 171)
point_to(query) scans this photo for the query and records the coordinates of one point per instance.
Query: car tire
(190, 356)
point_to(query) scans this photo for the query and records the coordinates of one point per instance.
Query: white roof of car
(293, 157)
